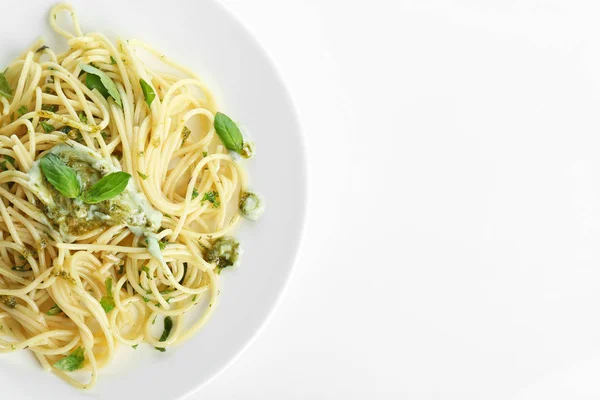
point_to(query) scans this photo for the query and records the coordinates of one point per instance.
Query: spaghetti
(77, 277)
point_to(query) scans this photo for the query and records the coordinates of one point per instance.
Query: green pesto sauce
(72, 217)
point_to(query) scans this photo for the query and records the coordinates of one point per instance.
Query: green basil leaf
(47, 127)
(60, 176)
(94, 82)
(54, 310)
(102, 80)
(166, 332)
(5, 90)
(108, 302)
(228, 132)
(106, 188)
(149, 93)
(72, 362)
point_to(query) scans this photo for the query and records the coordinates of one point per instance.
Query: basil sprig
(166, 333)
(64, 179)
(149, 93)
(106, 188)
(72, 362)
(108, 302)
(61, 176)
(97, 79)
(229, 133)
(5, 90)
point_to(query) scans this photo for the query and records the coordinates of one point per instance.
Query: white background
(452, 246)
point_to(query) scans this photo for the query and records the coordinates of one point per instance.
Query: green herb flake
(47, 127)
(204, 153)
(54, 310)
(162, 244)
(228, 132)
(108, 302)
(20, 268)
(135, 346)
(212, 197)
(82, 117)
(50, 107)
(147, 271)
(194, 193)
(22, 110)
(143, 176)
(166, 333)
(72, 362)
(60, 176)
(5, 90)
(185, 134)
(112, 60)
(149, 93)
(106, 188)
(97, 79)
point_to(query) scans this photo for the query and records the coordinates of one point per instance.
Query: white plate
(205, 37)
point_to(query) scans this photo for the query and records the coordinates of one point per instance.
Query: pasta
(120, 183)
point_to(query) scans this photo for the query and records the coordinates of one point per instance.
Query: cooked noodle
(50, 287)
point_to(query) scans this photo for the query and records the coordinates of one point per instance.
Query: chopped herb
(194, 193)
(228, 132)
(194, 297)
(60, 176)
(106, 188)
(5, 90)
(143, 176)
(22, 110)
(112, 60)
(104, 135)
(47, 127)
(9, 301)
(97, 79)
(145, 299)
(135, 346)
(72, 362)
(204, 154)
(162, 244)
(82, 117)
(21, 268)
(50, 107)
(147, 271)
(108, 302)
(149, 93)
(166, 332)
(44, 47)
(9, 159)
(212, 197)
(54, 310)
(185, 134)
